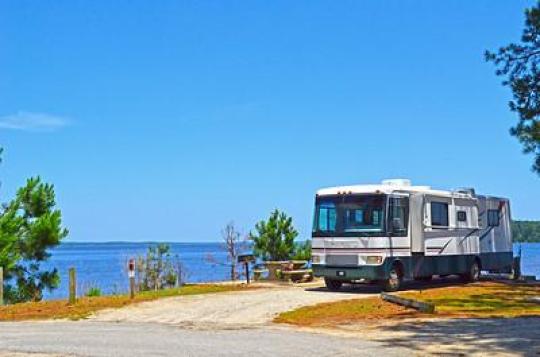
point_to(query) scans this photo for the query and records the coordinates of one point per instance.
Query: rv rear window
(462, 216)
(439, 214)
(493, 217)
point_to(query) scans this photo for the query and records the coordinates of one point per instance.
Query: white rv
(395, 231)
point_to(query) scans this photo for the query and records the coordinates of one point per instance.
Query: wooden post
(418, 305)
(246, 265)
(72, 286)
(1, 286)
(132, 287)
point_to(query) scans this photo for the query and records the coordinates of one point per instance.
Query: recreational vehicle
(394, 231)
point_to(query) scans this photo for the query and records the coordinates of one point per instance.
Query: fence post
(72, 286)
(1, 286)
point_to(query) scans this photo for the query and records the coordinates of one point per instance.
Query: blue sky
(164, 120)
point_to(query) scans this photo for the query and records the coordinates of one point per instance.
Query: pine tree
(29, 226)
(275, 237)
(519, 63)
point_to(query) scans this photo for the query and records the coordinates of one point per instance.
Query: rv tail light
(374, 260)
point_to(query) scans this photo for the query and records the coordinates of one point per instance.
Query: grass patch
(342, 312)
(85, 306)
(485, 299)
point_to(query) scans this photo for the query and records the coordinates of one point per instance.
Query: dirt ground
(254, 310)
(257, 308)
(225, 310)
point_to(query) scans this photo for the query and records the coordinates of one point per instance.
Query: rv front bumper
(348, 273)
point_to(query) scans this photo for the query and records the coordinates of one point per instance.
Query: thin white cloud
(32, 122)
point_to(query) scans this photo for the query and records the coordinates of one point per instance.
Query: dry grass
(343, 312)
(486, 299)
(60, 309)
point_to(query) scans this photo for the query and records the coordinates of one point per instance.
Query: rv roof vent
(397, 182)
(466, 190)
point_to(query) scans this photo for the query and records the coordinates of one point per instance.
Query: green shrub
(93, 291)
(302, 251)
(274, 239)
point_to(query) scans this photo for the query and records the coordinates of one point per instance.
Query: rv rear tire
(333, 285)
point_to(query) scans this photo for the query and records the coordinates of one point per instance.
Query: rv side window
(439, 214)
(462, 216)
(493, 217)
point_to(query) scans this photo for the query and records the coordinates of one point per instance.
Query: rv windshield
(349, 215)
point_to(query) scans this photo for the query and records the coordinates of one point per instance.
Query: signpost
(131, 274)
(246, 259)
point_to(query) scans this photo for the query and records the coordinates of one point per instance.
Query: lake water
(104, 264)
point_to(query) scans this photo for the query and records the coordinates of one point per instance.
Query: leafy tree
(29, 227)
(519, 63)
(275, 238)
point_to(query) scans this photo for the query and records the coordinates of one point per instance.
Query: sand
(240, 309)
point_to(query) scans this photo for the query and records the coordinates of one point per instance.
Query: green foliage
(275, 237)
(302, 251)
(519, 63)
(526, 231)
(159, 269)
(93, 291)
(29, 227)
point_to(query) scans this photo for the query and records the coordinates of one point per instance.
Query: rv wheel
(474, 272)
(395, 277)
(333, 285)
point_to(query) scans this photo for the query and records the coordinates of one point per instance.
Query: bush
(302, 251)
(159, 269)
(93, 291)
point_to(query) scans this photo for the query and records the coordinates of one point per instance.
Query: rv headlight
(374, 259)
(316, 259)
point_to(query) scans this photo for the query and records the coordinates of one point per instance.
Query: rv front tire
(474, 272)
(333, 285)
(394, 280)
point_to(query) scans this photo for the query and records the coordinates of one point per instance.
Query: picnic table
(289, 270)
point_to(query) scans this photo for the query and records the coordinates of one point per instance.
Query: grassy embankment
(60, 309)
(480, 300)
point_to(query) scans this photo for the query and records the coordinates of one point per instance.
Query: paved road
(93, 338)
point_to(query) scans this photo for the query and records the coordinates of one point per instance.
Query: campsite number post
(131, 274)
(246, 259)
